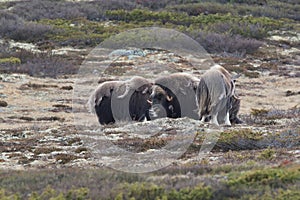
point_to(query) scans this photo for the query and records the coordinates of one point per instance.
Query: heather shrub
(155, 5)
(272, 9)
(248, 25)
(117, 4)
(234, 45)
(7, 57)
(13, 27)
(153, 191)
(37, 10)
(139, 15)
(194, 9)
(5, 50)
(275, 10)
(250, 2)
(38, 64)
(78, 32)
(245, 29)
(163, 4)
(47, 65)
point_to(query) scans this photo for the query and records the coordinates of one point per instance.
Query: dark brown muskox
(214, 94)
(174, 96)
(121, 100)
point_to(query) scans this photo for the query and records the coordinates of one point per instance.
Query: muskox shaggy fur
(235, 108)
(121, 100)
(213, 95)
(233, 112)
(175, 95)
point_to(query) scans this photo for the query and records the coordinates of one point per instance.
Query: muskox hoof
(237, 121)
(226, 125)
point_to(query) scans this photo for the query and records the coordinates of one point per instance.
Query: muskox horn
(236, 97)
(127, 89)
(145, 90)
(169, 98)
(236, 76)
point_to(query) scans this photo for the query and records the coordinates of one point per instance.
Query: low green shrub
(267, 154)
(151, 191)
(10, 60)
(50, 193)
(178, 18)
(5, 196)
(272, 177)
(273, 8)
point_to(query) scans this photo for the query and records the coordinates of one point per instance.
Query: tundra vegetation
(256, 160)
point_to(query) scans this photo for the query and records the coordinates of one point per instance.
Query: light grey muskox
(174, 96)
(121, 100)
(213, 95)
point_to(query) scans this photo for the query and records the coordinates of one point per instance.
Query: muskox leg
(214, 119)
(204, 119)
(104, 112)
(227, 109)
(233, 112)
(220, 111)
(203, 101)
(214, 114)
(227, 121)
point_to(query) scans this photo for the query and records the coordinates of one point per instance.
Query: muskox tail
(203, 99)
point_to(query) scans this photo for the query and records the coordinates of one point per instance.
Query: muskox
(121, 100)
(213, 95)
(174, 96)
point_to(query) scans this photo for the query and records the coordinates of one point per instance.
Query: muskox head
(235, 108)
(164, 103)
(139, 103)
(174, 96)
(100, 101)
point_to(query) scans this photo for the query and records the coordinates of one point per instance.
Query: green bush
(272, 177)
(267, 154)
(199, 192)
(5, 196)
(247, 26)
(273, 8)
(151, 191)
(10, 60)
(76, 32)
(50, 193)
(139, 191)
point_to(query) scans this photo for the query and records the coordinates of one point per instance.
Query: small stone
(3, 103)
(67, 87)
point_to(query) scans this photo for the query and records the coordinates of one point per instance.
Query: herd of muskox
(210, 98)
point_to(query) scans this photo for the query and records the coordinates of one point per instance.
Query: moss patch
(10, 60)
